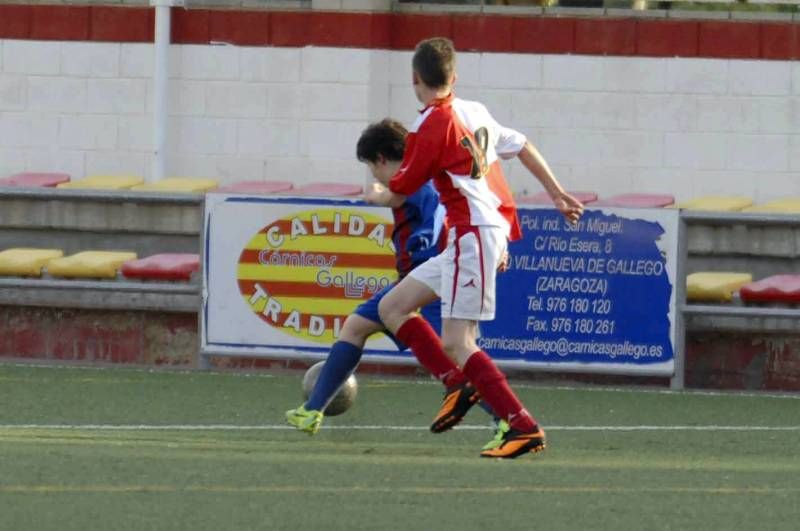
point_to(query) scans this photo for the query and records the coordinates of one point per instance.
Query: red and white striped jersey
(458, 144)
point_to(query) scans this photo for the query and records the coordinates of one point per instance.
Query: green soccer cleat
(305, 420)
(501, 429)
(516, 443)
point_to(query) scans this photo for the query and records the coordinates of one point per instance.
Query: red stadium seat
(256, 187)
(543, 198)
(168, 266)
(637, 201)
(35, 180)
(328, 190)
(783, 289)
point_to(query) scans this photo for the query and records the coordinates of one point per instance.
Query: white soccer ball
(343, 400)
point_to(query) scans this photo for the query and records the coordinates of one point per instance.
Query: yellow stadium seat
(178, 184)
(789, 205)
(717, 203)
(714, 286)
(89, 264)
(26, 262)
(104, 182)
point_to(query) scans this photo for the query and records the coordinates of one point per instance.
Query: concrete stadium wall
(610, 124)
(716, 360)
(628, 122)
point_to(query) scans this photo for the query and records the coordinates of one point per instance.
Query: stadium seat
(328, 190)
(168, 266)
(89, 264)
(779, 206)
(781, 289)
(717, 203)
(543, 198)
(178, 185)
(35, 180)
(256, 187)
(712, 286)
(104, 182)
(637, 201)
(24, 262)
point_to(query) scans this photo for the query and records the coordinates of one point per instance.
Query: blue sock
(341, 362)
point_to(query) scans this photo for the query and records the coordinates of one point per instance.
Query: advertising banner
(599, 294)
(282, 274)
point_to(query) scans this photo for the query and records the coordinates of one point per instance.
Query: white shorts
(463, 275)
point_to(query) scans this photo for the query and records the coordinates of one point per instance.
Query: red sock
(494, 389)
(427, 347)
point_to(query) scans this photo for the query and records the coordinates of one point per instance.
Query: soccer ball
(344, 398)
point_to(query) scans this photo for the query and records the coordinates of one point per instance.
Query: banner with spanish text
(282, 274)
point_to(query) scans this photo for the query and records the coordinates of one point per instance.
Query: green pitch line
(100, 478)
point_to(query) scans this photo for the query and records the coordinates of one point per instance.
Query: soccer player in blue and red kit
(418, 236)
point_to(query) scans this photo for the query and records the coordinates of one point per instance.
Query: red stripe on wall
(381, 25)
(667, 38)
(726, 39)
(730, 41)
(113, 24)
(15, 22)
(483, 33)
(243, 28)
(191, 26)
(543, 35)
(780, 41)
(289, 29)
(341, 30)
(596, 36)
(407, 30)
(59, 23)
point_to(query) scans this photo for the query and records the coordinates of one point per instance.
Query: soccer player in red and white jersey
(458, 144)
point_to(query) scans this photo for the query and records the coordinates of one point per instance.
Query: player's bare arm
(571, 208)
(378, 194)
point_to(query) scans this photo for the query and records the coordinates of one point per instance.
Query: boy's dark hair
(434, 61)
(387, 138)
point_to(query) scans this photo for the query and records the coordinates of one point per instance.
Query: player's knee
(391, 308)
(458, 349)
(356, 330)
(452, 345)
(385, 309)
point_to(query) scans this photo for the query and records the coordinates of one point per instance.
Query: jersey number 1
(477, 148)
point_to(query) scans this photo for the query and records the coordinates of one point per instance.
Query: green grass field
(82, 449)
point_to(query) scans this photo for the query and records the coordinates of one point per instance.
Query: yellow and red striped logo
(305, 273)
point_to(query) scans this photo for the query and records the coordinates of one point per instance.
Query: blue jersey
(418, 229)
(418, 235)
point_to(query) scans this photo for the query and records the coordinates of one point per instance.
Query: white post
(161, 87)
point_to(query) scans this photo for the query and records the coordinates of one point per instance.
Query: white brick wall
(12, 92)
(697, 76)
(210, 62)
(517, 71)
(237, 100)
(85, 59)
(88, 131)
(695, 151)
(609, 124)
(57, 94)
(117, 96)
(272, 65)
(31, 57)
